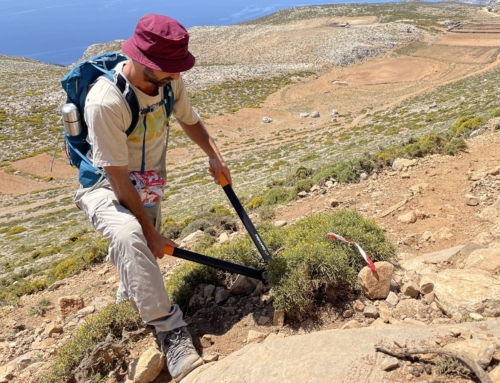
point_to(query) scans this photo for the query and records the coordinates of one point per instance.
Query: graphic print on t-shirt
(155, 122)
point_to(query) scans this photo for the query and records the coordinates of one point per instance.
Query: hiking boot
(177, 346)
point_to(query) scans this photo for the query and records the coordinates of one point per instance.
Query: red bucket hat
(160, 43)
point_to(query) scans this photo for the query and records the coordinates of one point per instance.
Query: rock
(484, 259)
(243, 285)
(335, 113)
(334, 203)
(400, 163)
(465, 291)
(371, 312)
(206, 341)
(70, 304)
(57, 285)
(280, 223)
(376, 286)
(279, 318)
(260, 289)
(444, 233)
(44, 344)
(208, 291)
(351, 324)
(255, 337)
(86, 311)
(471, 200)
(289, 362)
(264, 321)
(384, 312)
(392, 299)
(426, 285)
(221, 295)
(315, 114)
(359, 306)
(428, 237)
(315, 188)
(476, 316)
(267, 120)
(6, 373)
(410, 289)
(53, 328)
(389, 364)
(481, 351)
(442, 256)
(408, 218)
(193, 237)
(419, 188)
(429, 298)
(492, 213)
(495, 373)
(223, 238)
(210, 358)
(407, 308)
(329, 184)
(302, 194)
(25, 360)
(303, 115)
(147, 367)
(347, 314)
(100, 303)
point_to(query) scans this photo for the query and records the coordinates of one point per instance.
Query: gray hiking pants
(141, 279)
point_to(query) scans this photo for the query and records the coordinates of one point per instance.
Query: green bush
(467, 124)
(220, 209)
(303, 185)
(266, 213)
(40, 308)
(276, 196)
(344, 172)
(16, 230)
(204, 243)
(97, 252)
(65, 268)
(112, 320)
(309, 264)
(495, 113)
(255, 203)
(455, 146)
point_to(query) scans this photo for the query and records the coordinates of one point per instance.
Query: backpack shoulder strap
(168, 95)
(131, 99)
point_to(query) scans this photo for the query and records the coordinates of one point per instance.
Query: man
(158, 52)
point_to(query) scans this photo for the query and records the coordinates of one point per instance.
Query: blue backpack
(76, 84)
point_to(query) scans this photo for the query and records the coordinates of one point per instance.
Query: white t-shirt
(108, 117)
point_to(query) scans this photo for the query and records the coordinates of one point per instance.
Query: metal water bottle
(72, 119)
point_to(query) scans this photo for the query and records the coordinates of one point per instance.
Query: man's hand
(127, 196)
(216, 167)
(157, 243)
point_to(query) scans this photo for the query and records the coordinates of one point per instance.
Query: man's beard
(149, 76)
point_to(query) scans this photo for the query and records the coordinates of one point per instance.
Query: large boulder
(329, 356)
(467, 291)
(484, 259)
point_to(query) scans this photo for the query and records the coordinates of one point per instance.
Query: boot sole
(195, 365)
